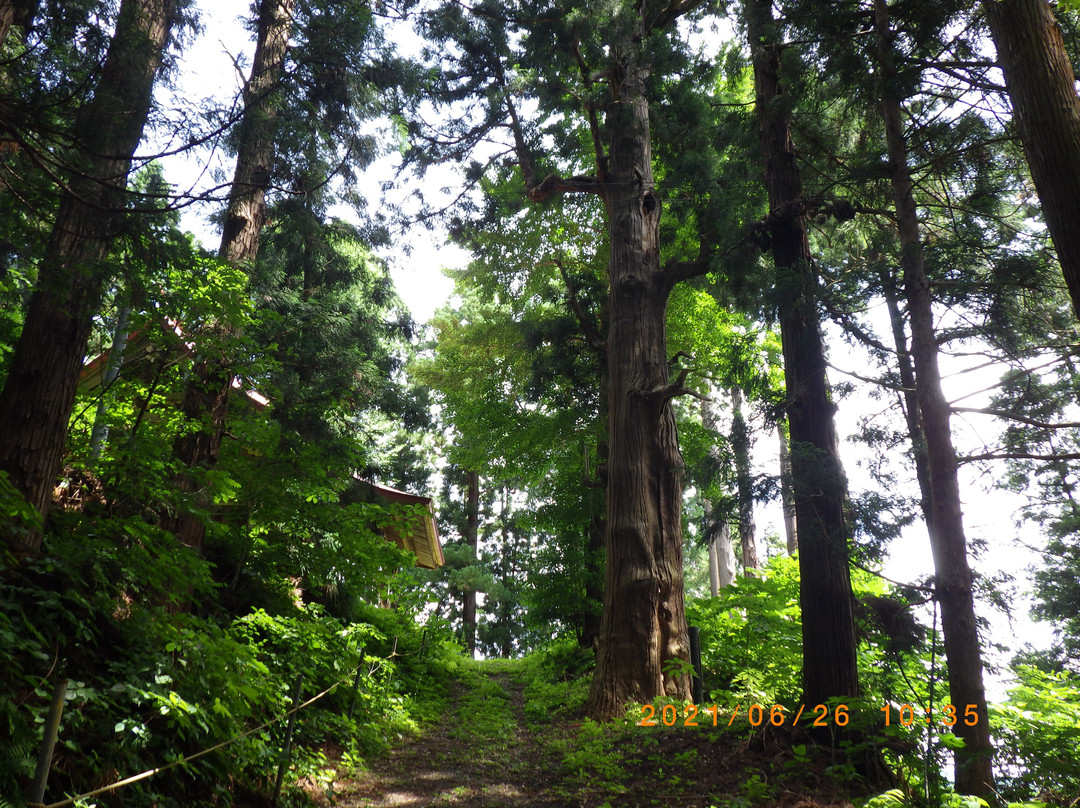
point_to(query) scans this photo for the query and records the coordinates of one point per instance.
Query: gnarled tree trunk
(643, 625)
(18, 13)
(644, 620)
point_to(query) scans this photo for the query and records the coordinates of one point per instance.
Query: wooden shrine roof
(421, 535)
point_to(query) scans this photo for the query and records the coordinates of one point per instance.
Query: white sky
(208, 70)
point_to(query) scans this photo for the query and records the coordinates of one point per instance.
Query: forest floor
(499, 744)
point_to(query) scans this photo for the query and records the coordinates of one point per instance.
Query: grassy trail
(503, 742)
(482, 752)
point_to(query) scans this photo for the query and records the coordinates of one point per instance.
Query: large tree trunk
(644, 621)
(206, 395)
(39, 392)
(1046, 108)
(744, 483)
(820, 488)
(246, 214)
(974, 773)
(472, 538)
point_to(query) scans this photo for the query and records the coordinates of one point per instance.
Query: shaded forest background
(671, 209)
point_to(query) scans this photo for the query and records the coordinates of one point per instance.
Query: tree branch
(590, 112)
(1018, 456)
(1018, 374)
(674, 10)
(879, 382)
(847, 322)
(659, 395)
(592, 336)
(678, 271)
(554, 184)
(1012, 416)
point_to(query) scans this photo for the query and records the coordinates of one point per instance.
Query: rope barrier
(188, 758)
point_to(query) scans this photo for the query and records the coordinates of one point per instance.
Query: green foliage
(592, 755)
(558, 678)
(18, 514)
(511, 369)
(754, 613)
(171, 651)
(484, 711)
(897, 798)
(148, 688)
(1037, 735)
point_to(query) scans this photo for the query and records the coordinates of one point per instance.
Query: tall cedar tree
(818, 481)
(643, 625)
(206, 395)
(39, 391)
(1046, 108)
(974, 774)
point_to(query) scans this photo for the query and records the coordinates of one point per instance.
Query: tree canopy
(703, 238)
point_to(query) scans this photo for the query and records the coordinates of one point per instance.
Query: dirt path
(481, 754)
(487, 752)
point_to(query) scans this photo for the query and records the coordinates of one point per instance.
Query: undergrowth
(151, 688)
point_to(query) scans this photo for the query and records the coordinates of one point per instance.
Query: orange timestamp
(820, 715)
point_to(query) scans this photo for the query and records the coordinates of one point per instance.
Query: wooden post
(48, 742)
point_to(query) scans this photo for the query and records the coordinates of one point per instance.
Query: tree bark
(472, 538)
(206, 395)
(974, 773)
(643, 625)
(19, 13)
(596, 537)
(1046, 108)
(7, 18)
(744, 483)
(39, 392)
(819, 484)
(787, 494)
